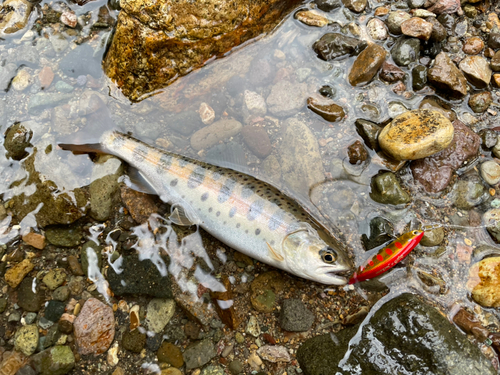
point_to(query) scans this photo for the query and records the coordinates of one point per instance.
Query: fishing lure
(388, 257)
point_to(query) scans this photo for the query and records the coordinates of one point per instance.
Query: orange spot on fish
(380, 258)
(398, 245)
(371, 263)
(388, 251)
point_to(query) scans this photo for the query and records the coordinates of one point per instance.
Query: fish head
(309, 256)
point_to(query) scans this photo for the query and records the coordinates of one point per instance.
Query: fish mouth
(335, 277)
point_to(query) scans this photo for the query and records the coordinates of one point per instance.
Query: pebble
(480, 101)
(211, 135)
(416, 134)
(254, 104)
(286, 98)
(27, 299)
(439, 32)
(274, 353)
(134, 341)
(328, 5)
(326, 108)
(417, 27)
(112, 355)
(294, 316)
(54, 310)
(356, 6)
(171, 354)
(46, 76)
(35, 239)
(335, 45)
(395, 20)
(64, 235)
(432, 237)
(490, 172)
(54, 278)
(159, 313)
(253, 327)
(26, 339)
(477, 70)
(369, 131)
(11, 362)
(61, 293)
(207, 113)
(491, 219)
(62, 86)
(445, 76)
(367, 64)
(94, 327)
(16, 274)
(357, 153)
(65, 323)
(473, 45)
(377, 29)
(235, 367)
(257, 140)
(419, 77)
(74, 266)
(69, 18)
(254, 361)
(406, 51)
(445, 7)
(58, 360)
(311, 18)
(391, 73)
(484, 282)
(22, 80)
(199, 354)
(385, 188)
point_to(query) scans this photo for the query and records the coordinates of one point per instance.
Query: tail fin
(83, 149)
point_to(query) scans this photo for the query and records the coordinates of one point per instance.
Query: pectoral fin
(274, 253)
(179, 217)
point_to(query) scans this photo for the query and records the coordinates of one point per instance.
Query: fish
(247, 214)
(387, 257)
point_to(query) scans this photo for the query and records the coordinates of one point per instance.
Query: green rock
(3, 304)
(240, 339)
(385, 188)
(160, 311)
(235, 367)
(64, 235)
(198, 354)
(419, 77)
(213, 370)
(17, 139)
(381, 231)
(61, 293)
(62, 86)
(58, 360)
(432, 237)
(51, 337)
(264, 302)
(46, 100)
(91, 249)
(26, 339)
(104, 188)
(470, 11)
(405, 333)
(469, 193)
(171, 354)
(405, 51)
(54, 278)
(134, 341)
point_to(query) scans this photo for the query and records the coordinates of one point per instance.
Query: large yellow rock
(484, 282)
(416, 135)
(16, 274)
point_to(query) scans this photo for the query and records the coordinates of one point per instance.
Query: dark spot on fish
(246, 231)
(232, 211)
(272, 242)
(196, 177)
(204, 197)
(257, 232)
(216, 176)
(174, 183)
(226, 190)
(275, 220)
(225, 223)
(140, 152)
(255, 210)
(118, 141)
(183, 162)
(164, 164)
(217, 213)
(238, 225)
(210, 209)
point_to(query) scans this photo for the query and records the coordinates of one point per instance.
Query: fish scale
(247, 214)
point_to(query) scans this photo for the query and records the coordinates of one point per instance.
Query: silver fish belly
(247, 214)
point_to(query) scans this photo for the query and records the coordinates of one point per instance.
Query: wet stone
(419, 77)
(395, 19)
(406, 51)
(91, 251)
(432, 237)
(356, 6)
(381, 231)
(171, 354)
(213, 370)
(477, 70)
(257, 140)
(435, 172)
(326, 108)
(369, 131)
(44, 100)
(404, 324)
(139, 277)
(473, 46)
(27, 299)
(159, 313)
(134, 341)
(63, 235)
(295, 317)
(26, 339)
(15, 15)
(192, 330)
(444, 75)
(385, 188)
(434, 103)
(81, 61)
(357, 153)
(54, 310)
(311, 18)
(35, 239)
(483, 282)
(65, 323)
(377, 29)
(17, 139)
(328, 5)
(480, 102)
(495, 62)
(489, 138)
(417, 27)
(104, 188)
(416, 134)
(253, 327)
(367, 64)
(58, 360)
(335, 45)
(198, 354)
(494, 40)
(490, 172)
(140, 205)
(439, 33)
(94, 327)
(274, 353)
(286, 98)
(391, 73)
(327, 91)
(211, 135)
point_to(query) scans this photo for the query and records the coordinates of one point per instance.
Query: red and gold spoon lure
(388, 256)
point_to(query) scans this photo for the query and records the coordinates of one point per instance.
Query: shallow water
(169, 118)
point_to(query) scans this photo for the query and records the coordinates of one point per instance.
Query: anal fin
(179, 217)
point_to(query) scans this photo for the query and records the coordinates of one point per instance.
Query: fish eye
(328, 255)
(415, 232)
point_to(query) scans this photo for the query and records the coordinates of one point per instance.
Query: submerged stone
(445, 76)
(367, 64)
(385, 188)
(326, 108)
(334, 45)
(405, 333)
